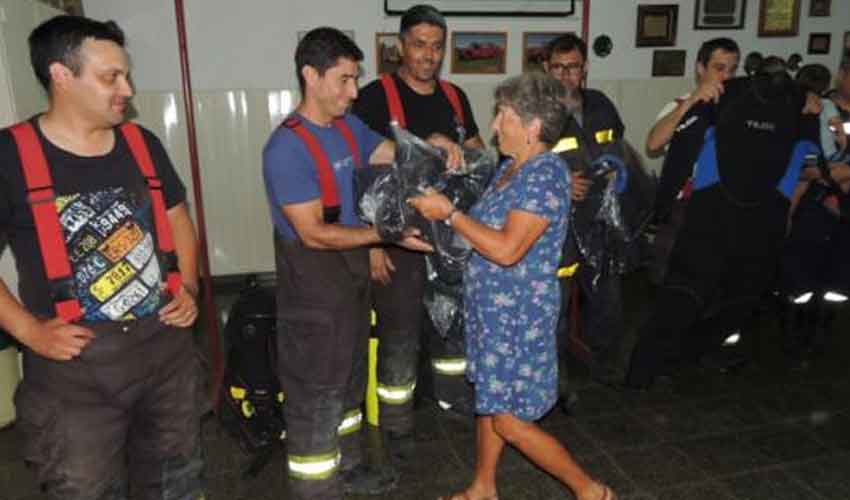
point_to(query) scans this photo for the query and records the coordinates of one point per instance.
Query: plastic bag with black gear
(607, 225)
(419, 167)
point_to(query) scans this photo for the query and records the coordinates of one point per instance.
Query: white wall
(243, 75)
(618, 19)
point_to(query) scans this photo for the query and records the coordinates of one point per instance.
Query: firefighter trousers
(400, 311)
(724, 259)
(121, 420)
(323, 336)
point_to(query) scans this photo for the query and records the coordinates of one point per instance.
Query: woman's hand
(454, 159)
(432, 206)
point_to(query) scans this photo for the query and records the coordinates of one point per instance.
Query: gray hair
(536, 95)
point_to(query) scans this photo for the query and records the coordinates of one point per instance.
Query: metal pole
(206, 278)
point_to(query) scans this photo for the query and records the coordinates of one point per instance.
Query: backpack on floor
(251, 401)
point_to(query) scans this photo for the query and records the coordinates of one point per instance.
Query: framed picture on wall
(819, 43)
(720, 14)
(779, 17)
(534, 48)
(387, 52)
(668, 63)
(656, 25)
(479, 52)
(819, 8)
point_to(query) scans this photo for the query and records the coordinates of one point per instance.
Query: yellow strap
(605, 136)
(566, 144)
(567, 271)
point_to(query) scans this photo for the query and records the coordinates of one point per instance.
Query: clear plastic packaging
(420, 167)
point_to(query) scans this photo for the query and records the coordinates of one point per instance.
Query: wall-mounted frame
(479, 52)
(820, 8)
(668, 62)
(478, 8)
(534, 48)
(779, 18)
(387, 52)
(819, 43)
(656, 25)
(720, 14)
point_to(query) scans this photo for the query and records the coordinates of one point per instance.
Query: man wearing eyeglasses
(594, 129)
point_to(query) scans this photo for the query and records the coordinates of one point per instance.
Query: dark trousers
(323, 336)
(400, 311)
(601, 311)
(724, 258)
(126, 408)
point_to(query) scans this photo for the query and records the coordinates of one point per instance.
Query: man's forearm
(14, 317)
(664, 129)
(185, 245)
(338, 237)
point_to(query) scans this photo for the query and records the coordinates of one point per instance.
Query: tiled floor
(767, 432)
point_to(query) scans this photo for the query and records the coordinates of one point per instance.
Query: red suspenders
(327, 180)
(165, 240)
(397, 111)
(41, 197)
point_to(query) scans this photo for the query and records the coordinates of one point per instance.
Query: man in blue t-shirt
(323, 270)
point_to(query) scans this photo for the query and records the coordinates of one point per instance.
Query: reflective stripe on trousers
(449, 366)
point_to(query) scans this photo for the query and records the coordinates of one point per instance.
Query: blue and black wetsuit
(749, 149)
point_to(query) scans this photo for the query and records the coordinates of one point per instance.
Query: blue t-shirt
(290, 173)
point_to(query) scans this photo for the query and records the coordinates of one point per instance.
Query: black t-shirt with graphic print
(107, 221)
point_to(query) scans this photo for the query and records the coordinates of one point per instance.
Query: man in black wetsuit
(749, 149)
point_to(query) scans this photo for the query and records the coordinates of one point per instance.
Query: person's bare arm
(384, 154)
(55, 339)
(306, 218)
(505, 246)
(663, 130)
(183, 308)
(474, 143)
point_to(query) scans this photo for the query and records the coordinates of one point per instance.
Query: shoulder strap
(454, 99)
(327, 180)
(41, 198)
(165, 240)
(348, 135)
(393, 100)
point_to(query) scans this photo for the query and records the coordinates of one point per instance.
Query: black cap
(419, 14)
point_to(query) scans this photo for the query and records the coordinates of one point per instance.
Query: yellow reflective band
(449, 366)
(566, 144)
(237, 392)
(247, 409)
(314, 467)
(396, 395)
(280, 397)
(605, 136)
(373, 318)
(351, 422)
(567, 271)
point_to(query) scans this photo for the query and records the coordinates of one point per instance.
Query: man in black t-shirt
(110, 376)
(429, 108)
(596, 129)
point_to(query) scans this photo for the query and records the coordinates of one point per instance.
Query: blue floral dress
(511, 312)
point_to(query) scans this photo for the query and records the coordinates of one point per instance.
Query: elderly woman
(511, 291)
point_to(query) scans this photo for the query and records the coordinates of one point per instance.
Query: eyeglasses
(572, 68)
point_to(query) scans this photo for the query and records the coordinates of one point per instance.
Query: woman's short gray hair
(536, 95)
